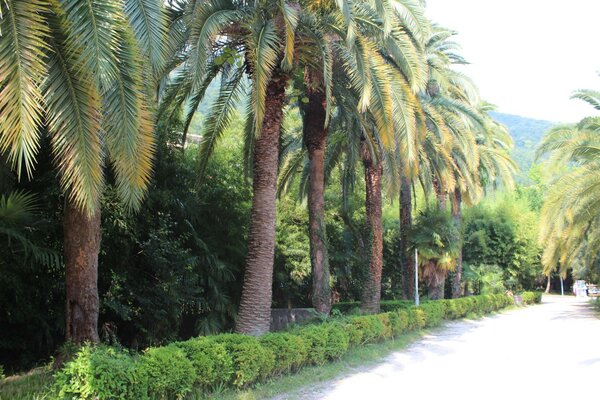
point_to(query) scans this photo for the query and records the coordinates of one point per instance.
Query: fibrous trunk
(436, 287)
(82, 235)
(315, 137)
(408, 261)
(435, 278)
(255, 305)
(371, 293)
(457, 289)
(439, 193)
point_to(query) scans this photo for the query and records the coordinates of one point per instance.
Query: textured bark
(408, 259)
(439, 193)
(371, 293)
(437, 285)
(82, 235)
(457, 289)
(255, 305)
(315, 138)
(436, 291)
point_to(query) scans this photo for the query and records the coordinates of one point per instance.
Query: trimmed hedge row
(532, 297)
(346, 307)
(205, 363)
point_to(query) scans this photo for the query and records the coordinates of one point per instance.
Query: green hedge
(531, 297)
(206, 363)
(101, 373)
(348, 307)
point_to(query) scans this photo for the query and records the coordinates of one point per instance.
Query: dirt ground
(548, 351)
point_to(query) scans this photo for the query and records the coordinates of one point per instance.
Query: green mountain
(527, 134)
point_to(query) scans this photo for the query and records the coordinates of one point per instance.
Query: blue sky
(527, 56)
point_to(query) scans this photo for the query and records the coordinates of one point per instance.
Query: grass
(33, 385)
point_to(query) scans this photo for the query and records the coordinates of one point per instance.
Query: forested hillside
(527, 134)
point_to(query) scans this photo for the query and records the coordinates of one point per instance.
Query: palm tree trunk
(371, 294)
(436, 292)
(548, 285)
(437, 286)
(315, 137)
(457, 290)
(255, 306)
(82, 235)
(439, 193)
(407, 260)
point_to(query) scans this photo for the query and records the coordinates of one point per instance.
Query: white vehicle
(580, 288)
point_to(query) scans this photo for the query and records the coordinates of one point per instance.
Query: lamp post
(562, 289)
(416, 277)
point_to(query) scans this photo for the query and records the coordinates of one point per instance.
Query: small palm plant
(18, 219)
(436, 239)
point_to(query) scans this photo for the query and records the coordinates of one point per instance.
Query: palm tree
(77, 68)
(494, 167)
(449, 157)
(254, 47)
(266, 41)
(436, 238)
(571, 210)
(402, 49)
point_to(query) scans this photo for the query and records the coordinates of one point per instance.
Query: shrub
(345, 307)
(434, 312)
(355, 334)
(387, 325)
(531, 297)
(212, 362)
(393, 305)
(350, 307)
(416, 318)
(2, 372)
(168, 372)
(238, 360)
(251, 360)
(337, 342)
(315, 337)
(454, 309)
(290, 351)
(399, 322)
(371, 327)
(100, 373)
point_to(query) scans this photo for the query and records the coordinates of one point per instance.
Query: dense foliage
(207, 363)
(501, 250)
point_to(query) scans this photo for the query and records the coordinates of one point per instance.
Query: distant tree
(571, 210)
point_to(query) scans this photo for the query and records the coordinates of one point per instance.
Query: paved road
(539, 352)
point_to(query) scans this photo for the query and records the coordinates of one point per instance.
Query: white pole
(416, 277)
(562, 289)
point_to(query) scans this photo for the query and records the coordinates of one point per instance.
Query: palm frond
(129, 124)
(220, 116)
(73, 108)
(149, 22)
(23, 35)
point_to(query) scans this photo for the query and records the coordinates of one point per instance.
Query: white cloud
(527, 56)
